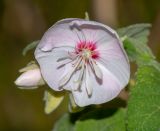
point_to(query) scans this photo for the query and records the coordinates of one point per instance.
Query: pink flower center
(83, 59)
(87, 49)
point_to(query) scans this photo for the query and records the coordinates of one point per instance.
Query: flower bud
(30, 79)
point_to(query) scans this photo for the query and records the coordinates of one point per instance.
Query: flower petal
(102, 91)
(68, 32)
(115, 60)
(109, 47)
(60, 34)
(94, 31)
(101, 84)
(49, 65)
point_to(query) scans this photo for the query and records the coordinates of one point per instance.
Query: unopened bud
(30, 79)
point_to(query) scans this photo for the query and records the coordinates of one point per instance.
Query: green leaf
(52, 100)
(135, 39)
(86, 16)
(144, 105)
(107, 123)
(137, 49)
(64, 124)
(135, 43)
(136, 31)
(140, 53)
(30, 47)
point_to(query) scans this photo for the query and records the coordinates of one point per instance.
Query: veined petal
(103, 91)
(94, 31)
(89, 24)
(68, 32)
(60, 34)
(49, 65)
(109, 46)
(69, 74)
(115, 60)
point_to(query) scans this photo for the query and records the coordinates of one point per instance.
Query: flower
(84, 57)
(30, 79)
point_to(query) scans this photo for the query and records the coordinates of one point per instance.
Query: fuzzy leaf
(140, 53)
(136, 31)
(144, 105)
(107, 123)
(134, 39)
(64, 124)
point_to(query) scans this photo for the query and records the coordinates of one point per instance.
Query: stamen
(72, 55)
(83, 60)
(66, 59)
(69, 55)
(63, 63)
(63, 58)
(79, 81)
(88, 82)
(96, 69)
(67, 77)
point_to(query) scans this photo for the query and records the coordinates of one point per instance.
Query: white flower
(30, 79)
(84, 57)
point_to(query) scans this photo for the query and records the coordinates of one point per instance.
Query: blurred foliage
(137, 11)
(55, 10)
